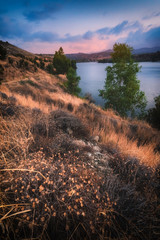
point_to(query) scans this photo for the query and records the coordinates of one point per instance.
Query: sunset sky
(79, 25)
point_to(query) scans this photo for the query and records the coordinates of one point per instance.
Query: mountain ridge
(107, 54)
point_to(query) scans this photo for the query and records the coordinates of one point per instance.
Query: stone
(96, 149)
(96, 138)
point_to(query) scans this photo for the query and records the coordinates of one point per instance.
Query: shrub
(89, 97)
(42, 65)
(49, 68)
(1, 73)
(153, 116)
(10, 60)
(3, 53)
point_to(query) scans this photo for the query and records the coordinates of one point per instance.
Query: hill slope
(70, 170)
(106, 55)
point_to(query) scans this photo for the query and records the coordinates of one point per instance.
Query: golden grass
(15, 137)
(102, 126)
(129, 148)
(118, 137)
(76, 186)
(66, 98)
(30, 103)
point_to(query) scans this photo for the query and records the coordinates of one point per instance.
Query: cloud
(103, 31)
(153, 36)
(119, 28)
(46, 12)
(138, 39)
(10, 28)
(88, 35)
(129, 32)
(154, 14)
(44, 37)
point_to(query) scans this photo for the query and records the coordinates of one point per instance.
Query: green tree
(153, 116)
(60, 62)
(72, 82)
(122, 88)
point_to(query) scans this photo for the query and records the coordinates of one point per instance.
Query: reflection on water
(93, 75)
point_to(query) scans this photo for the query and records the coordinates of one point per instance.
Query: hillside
(142, 54)
(84, 57)
(68, 169)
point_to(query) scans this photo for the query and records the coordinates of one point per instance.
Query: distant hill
(106, 55)
(90, 56)
(146, 50)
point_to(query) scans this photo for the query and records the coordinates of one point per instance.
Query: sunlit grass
(41, 187)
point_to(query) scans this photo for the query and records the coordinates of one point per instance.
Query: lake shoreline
(93, 76)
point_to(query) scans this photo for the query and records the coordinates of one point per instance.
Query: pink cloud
(85, 46)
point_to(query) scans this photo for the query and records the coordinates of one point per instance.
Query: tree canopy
(60, 62)
(122, 88)
(73, 82)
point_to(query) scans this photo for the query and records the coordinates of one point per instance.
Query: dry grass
(117, 134)
(112, 129)
(15, 138)
(60, 195)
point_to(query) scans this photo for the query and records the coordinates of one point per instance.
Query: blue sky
(79, 25)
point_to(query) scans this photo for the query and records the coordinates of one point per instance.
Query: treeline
(145, 57)
(106, 60)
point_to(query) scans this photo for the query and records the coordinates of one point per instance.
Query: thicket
(1, 73)
(50, 68)
(153, 116)
(3, 53)
(10, 60)
(23, 64)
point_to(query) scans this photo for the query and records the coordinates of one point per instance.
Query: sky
(86, 26)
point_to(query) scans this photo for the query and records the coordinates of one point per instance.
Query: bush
(89, 97)
(49, 68)
(1, 73)
(10, 60)
(23, 64)
(153, 116)
(3, 53)
(42, 65)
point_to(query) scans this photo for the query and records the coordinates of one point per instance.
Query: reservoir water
(93, 76)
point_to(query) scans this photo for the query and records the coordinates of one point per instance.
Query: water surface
(93, 75)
